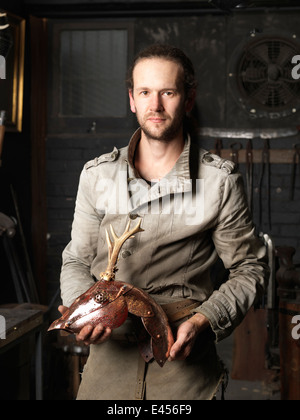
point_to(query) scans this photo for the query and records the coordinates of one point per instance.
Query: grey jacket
(195, 214)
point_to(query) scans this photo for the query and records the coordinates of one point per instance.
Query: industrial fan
(263, 77)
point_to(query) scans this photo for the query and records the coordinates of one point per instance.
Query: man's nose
(156, 103)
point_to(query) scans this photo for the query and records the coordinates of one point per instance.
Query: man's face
(158, 98)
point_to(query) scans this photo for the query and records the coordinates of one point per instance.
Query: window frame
(58, 124)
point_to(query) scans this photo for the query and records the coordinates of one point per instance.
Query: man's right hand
(89, 334)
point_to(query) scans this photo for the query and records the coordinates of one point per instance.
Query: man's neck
(155, 158)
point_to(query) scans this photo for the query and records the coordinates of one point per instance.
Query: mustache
(157, 115)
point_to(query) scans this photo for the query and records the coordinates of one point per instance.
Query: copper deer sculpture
(109, 301)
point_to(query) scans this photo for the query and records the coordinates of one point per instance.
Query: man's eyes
(168, 93)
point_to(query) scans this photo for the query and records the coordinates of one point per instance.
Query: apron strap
(140, 380)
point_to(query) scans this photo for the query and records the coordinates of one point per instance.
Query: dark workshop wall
(15, 171)
(213, 41)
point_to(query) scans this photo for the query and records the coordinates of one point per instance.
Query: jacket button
(133, 216)
(208, 158)
(126, 254)
(222, 321)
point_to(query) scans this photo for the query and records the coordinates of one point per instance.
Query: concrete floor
(244, 390)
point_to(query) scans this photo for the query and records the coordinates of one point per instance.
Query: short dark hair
(169, 53)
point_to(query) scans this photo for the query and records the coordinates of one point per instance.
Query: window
(89, 69)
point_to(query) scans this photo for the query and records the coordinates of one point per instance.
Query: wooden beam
(276, 155)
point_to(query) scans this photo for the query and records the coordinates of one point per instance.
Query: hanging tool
(265, 169)
(235, 147)
(218, 147)
(249, 174)
(296, 161)
(7, 232)
(34, 298)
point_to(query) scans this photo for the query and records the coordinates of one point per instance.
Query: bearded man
(172, 259)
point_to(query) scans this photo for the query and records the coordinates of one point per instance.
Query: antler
(115, 246)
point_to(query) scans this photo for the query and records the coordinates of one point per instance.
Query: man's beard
(165, 134)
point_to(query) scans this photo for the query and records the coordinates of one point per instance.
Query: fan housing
(261, 79)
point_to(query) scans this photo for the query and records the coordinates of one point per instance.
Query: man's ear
(132, 104)
(190, 101)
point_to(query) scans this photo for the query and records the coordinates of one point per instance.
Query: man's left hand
(186, 335)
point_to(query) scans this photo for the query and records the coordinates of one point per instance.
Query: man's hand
(186, 335)
(89, 334)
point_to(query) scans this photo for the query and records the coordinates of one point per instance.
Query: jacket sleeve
(243, 254)
(78, 255)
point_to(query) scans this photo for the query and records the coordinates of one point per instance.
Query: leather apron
(116, 371)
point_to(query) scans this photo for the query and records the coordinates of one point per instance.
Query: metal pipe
(132, 10)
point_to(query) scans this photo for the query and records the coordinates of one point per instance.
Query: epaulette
(107, 157)
(218, 162)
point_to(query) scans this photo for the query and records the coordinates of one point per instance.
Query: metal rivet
(101, 297)
(133, 216)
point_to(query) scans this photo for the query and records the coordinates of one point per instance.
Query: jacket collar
(179, 176)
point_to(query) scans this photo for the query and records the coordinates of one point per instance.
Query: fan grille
(265, 74)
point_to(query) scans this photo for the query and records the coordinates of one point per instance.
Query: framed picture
(11, 88)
